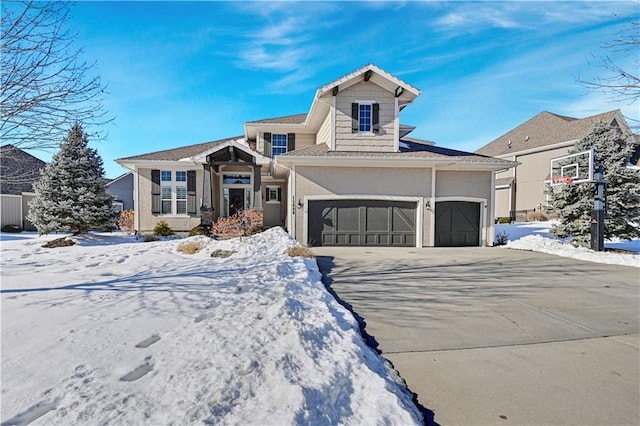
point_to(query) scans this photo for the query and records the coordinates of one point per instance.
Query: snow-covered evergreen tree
(71, 193)
(574, 203)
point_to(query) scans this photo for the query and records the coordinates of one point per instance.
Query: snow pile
(116, 331)
(535, 236)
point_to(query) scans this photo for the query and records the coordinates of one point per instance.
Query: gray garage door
(457, 224)
(362, 223)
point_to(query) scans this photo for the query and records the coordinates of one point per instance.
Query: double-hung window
(364, 117)
(278, 144)
(173, 192)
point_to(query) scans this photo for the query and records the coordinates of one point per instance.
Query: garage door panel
(457, 224)
(361, 223)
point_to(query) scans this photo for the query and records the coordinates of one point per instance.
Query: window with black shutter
(155, 191)
(191, 193)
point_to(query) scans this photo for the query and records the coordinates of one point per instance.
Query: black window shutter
(375, 124)
(155, 191)
(354, 118)
(291, 141)
(267, 144)
(268, 195)
(191, 192)
(279, 194)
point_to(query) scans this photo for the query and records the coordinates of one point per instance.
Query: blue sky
(181, 73)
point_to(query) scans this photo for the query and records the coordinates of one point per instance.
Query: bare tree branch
(618, 84)
(45, 85)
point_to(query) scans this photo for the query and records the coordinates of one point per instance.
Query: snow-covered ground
(535, 236)
(114, 331)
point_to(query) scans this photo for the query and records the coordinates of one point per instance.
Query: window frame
(369, 103)
(277, 136)
(174, 185)
(276, 199)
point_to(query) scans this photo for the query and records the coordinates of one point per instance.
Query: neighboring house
(345, 173)
(122, 189)
(19, 170)
(522, 189)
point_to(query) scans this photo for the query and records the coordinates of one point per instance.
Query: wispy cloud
(476, 16)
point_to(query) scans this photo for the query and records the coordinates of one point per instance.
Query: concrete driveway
(497, 336)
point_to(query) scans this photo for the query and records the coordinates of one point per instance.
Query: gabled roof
(176, 154)
(546, 129)
(377, 75)
(18, 170)
(405, 92)
(287, 119)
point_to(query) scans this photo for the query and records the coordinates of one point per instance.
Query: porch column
(257, 185)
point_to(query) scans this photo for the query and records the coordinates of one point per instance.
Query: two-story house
(532, 145)
(345, 173)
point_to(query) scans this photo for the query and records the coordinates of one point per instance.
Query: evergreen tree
(71, 193)
(573, 204)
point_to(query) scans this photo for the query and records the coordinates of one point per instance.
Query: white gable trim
(240, 144)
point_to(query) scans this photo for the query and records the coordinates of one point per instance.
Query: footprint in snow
(148, 341)
(139, 371)
(32, 413)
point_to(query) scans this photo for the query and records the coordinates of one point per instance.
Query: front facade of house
(532, 145)
(345, 173)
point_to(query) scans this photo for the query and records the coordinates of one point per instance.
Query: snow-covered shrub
(163, 229)
(14, 229)
(126, 221)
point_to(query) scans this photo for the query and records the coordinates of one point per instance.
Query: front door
(236, 200)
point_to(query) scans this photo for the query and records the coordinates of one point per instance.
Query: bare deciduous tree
(619, 84)
(46, 86)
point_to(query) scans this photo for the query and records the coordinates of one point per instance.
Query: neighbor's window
(181, 176)
(165, 176)
(278, 144)
(364, 117)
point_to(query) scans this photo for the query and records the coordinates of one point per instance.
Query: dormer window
(365, 117)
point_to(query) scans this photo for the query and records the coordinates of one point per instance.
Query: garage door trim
(418, 200)
(483, 217)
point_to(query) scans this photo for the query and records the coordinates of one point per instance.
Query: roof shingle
(177, 153)
(545, 129)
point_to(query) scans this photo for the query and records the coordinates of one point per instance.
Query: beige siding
(463, 184)
(365, 91)
(530, 177)
(502, 202)
(304, 140)
(324, 132)
(359, 181)
(274, 213)
(148, 220)
(10, 210)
